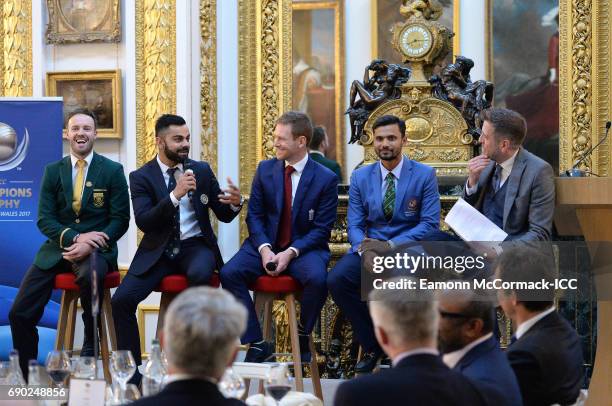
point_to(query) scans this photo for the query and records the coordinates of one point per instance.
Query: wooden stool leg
(107, 312)
(62, 322)
(266, 301)
(104, 353)
(74, 299)
(295, 342)
(164, 302)
(314, 370)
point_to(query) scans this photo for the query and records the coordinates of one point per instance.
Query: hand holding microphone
(185, 185)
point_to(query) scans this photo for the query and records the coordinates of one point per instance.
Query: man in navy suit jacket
(545, 352)
(171, 208)
(406, 325)
(391, 202)
(292, 208)
(466, 339)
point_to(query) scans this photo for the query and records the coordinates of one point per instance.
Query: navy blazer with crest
(154, 211)
(313, 212)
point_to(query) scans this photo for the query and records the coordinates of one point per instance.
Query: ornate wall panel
(16, 52)
(264, 80)
(155, 70)
(208, 81)
(584, 93)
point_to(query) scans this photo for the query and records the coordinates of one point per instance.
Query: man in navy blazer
(466, 339)
(391, 202)
(292, 208)
(545, 351)
(171, 195)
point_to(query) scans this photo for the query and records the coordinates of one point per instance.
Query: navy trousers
(310, 269)
(344, 284)
(196, 261)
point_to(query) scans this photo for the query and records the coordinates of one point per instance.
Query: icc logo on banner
(11, 154)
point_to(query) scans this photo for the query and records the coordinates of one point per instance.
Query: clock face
(415, 40)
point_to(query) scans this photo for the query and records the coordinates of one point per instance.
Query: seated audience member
(391, 202)
(200, 338)
(406, 326)
(545, 353)
(466, 339)
(292, 209)
(509, 185)
(318, 147)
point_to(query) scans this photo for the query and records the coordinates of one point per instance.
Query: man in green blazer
(84, 206)
(318, 146)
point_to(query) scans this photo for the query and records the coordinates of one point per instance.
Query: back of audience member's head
(404, 318)
(528, 264)
(465, 316)
(201, 331)
(318, 136)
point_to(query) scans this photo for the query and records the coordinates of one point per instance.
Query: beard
(388, 155)
(174, 155)
(446, 346)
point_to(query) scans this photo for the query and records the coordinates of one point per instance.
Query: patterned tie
(389, 200)
(283, 238)
(174, 244)
(497, 177)
(77, 190)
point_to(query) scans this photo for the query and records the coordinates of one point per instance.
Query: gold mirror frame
(70, 34)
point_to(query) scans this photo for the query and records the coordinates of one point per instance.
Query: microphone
(271, 266)
(189, 171)
(577, 173)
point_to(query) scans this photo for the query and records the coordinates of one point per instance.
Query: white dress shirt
(187, 377)
(420, 350)
(74, 160)
(452, 358)
(526, 325)
(396, 175)
(189, 222)
(505, 173)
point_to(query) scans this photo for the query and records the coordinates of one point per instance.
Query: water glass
(122, 367)
(231, 384)
(85, 368)
(5, 369)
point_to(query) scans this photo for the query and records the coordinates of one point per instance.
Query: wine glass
(58, 367)
(278, 382)
(231, 384)
(122, 366)
(131, 393)
(85, 368)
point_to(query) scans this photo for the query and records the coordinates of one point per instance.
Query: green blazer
(328, 163)
(105, 207)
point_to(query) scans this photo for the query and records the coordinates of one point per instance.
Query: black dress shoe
(368, 362)
(260, 352)
(87, 350)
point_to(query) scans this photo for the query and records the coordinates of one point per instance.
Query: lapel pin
(310, 215)
(88, 184)
(204, 199)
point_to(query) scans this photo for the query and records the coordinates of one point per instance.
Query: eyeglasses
(451, 315)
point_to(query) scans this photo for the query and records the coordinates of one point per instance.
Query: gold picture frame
(99, 91)
(81, 21)
(334, 122)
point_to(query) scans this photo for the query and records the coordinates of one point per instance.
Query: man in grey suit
(512, 187)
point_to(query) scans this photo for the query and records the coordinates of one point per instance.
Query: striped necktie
(389, 199)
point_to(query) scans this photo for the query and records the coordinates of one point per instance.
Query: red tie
(284, 227)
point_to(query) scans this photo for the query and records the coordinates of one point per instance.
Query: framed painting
(83, 21)
(98, 91)
(386, 13)
(318, 68)
(524, 65)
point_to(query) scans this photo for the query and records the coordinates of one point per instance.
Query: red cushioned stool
(170, 287)
(266, 289)
(68, 311)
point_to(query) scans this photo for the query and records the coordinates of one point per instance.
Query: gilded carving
(16, 40)
(208, 81)
(155, 70)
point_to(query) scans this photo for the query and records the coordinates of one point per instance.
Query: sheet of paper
(85, 392)
(472, 225)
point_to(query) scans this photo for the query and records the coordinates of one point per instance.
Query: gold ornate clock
(415, 40)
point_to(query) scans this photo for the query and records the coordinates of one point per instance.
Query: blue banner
(30, 138)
